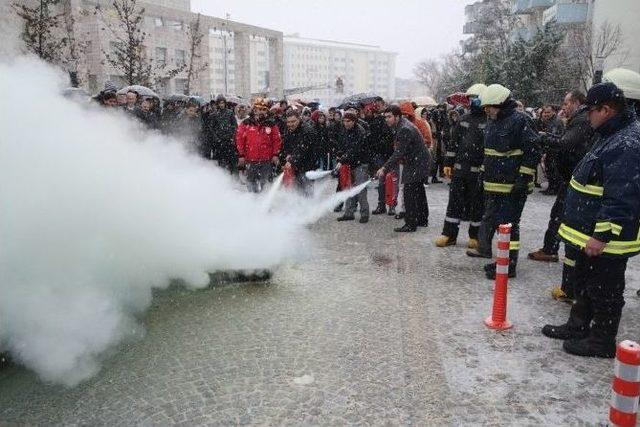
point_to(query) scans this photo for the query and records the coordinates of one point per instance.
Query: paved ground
(376, 328)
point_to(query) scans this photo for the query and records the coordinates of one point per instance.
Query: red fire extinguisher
(390, 182)
(344, 177)
(288, 176)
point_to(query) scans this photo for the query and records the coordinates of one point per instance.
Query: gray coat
(411, 149)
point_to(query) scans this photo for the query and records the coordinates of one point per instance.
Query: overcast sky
(415, 29)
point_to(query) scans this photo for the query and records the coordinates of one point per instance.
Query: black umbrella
(176, 97)
(142, 91)
(358, 99)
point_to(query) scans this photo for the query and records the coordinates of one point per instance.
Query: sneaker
(565, 332)
(444, 241)
(541, 255)
(475, 253)
(346, 218)
(590, 347)
(473, 244)
(381, 209)
(363, 219)
(391, 211)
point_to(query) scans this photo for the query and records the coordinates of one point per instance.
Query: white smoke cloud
(94, 213)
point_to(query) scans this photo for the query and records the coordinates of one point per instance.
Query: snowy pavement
(374, 328)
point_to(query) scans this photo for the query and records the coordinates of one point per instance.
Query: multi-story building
(237, 58)
(580, 16)
(312, 67)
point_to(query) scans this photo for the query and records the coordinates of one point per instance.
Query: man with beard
(550, 129)
(258, 143)
(300, 136)
(410, 148)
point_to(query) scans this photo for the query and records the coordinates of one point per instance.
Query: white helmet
(626, 80)
(494, 94)
(476, 89)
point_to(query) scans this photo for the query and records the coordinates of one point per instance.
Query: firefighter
(511, 154)
(462, 162)
(601, 221)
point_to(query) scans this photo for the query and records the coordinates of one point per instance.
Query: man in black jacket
(550, 128)
(410, 148)
(568, 151)
(356, 155)
(222, 129)
(380, 141)
(302, 139)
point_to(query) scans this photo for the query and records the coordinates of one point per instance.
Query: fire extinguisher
(288, 176)
(344, 177)
(390, 182)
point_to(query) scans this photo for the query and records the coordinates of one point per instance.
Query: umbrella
(141, 90)
(235, 99)
(359, 99)
(176, 97)
(424, 101)
(459, 98)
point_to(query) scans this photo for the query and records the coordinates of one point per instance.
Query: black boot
(489, 267)
(399, 215)
(391, 211)
(591, 347)
(491, 272)
(339, 207)
(364, 219)
(601, 341)
(565, 332)
(381, 209)
(346, 217)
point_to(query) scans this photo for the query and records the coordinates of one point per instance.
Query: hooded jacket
(419, 122)
(511, 151)
(603, 198)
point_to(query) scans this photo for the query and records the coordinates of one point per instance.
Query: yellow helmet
(628, 81)
(476, 89)
(260, 102)
(494, 94)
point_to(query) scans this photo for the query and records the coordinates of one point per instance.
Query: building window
(163, 87)
(180, 57)
(181, 86)
(161, 56)
(158, 22)
(174, 25)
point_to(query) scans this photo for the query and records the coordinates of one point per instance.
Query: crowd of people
(493, 151)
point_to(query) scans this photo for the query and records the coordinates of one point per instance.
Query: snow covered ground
(375, 328)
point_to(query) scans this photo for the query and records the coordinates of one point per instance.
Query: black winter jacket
(603, 198)
(511, 151)
(465, 150)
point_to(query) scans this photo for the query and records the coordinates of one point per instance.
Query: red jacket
(258, 142)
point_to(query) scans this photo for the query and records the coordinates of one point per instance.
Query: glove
(521, 186)
(447, 171)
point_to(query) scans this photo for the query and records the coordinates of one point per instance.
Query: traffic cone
(498, 319)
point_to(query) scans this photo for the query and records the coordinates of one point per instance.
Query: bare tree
(74, 56)
(40, 32)
(128, 54)
(588, 46)
(194, 66)
(429, 73)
